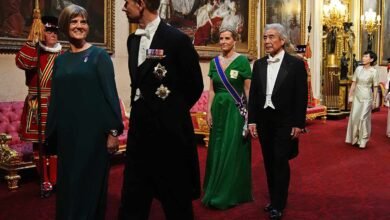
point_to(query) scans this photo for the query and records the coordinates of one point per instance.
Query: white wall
(12, 80)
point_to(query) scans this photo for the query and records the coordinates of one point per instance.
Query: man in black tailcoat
(166, 81)
(277, 112)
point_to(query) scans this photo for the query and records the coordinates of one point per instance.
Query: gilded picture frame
(101, 21)
(220, 13)
(290, 13)
(384, 48)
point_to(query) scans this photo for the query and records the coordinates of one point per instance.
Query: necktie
(273, 60)
(142, 32)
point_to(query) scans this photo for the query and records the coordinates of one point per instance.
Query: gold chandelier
(334, 14)
(370, 21)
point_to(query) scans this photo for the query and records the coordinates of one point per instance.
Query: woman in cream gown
(387, 98)
(362, 97)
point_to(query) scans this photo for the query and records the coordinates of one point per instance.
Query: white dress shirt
(146, 39)
(272, 73)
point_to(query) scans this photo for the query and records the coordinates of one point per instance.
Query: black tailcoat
(161, 148)
(289, 97)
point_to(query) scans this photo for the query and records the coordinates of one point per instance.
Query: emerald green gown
(84, 106)
(228, 168)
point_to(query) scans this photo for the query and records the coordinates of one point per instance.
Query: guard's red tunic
(26, 59)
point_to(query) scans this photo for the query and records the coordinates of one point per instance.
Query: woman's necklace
(227, 60)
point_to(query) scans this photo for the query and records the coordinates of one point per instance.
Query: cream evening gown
(359, 124)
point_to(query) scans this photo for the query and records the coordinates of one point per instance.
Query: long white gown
(388, 103)
(359, 124)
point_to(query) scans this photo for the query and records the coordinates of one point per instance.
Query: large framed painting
(201, 20)
(16, 19)
(384, 49)
(365, 6)
(289, 13)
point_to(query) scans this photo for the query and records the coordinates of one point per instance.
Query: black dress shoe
(268, 207)
(275, 214)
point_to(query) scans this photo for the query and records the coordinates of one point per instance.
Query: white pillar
(316, 43)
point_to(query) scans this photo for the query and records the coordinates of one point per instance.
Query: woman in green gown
(84, 121)
(228, 169)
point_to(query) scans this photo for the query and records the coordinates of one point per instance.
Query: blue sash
(240, 102)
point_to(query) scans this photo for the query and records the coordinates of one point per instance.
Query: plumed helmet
(50, 23)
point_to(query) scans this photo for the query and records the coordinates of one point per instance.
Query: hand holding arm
(253, 130)
(351, 91)
(112, 144)
(295, 132)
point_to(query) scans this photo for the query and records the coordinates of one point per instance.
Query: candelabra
(370, 21)
(334, 14)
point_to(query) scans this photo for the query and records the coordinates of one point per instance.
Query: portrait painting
(201, 20)
(289, 13)
(16, 18)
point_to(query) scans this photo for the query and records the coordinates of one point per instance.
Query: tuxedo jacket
(289, 95)
(161, 133)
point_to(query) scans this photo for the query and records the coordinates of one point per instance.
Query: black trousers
(141, 184)
(275, 139)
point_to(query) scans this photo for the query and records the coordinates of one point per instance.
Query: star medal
(159, 71)
(162, 92)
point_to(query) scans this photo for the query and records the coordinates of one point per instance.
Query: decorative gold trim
(263, 20)
(342, 95)
(13, 180)
(322, 114)
(7, 155)
(202, 128)
(11, 161)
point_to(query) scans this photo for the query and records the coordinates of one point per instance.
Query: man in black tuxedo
(277, 112)
(166, 81)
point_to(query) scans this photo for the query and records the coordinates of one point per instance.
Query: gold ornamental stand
(331, 88)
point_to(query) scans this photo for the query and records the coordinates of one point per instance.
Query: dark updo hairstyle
(372, 56)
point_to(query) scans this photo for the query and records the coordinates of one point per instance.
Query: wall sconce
(370, 21)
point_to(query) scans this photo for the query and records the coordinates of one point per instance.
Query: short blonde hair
(67, 14)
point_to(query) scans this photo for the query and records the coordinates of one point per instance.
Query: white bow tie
(142, 32)
(273, 60)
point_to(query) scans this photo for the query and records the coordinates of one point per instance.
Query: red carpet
(330, 180)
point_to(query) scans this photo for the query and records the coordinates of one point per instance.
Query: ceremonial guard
(37, 60)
